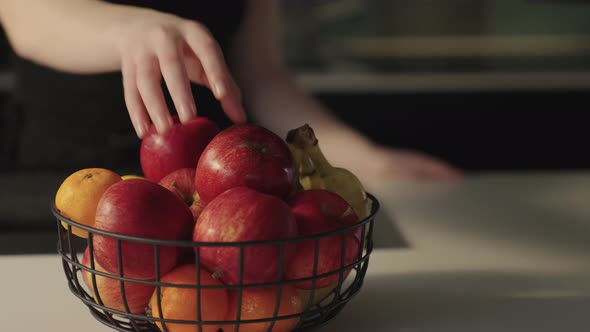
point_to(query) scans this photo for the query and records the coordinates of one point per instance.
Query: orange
(181, 303)
(137, 295)
(319, 295)
(260, 303)
(78, 195)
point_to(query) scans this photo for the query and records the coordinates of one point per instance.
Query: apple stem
(148, 311)
(186, 199)
(217, 274)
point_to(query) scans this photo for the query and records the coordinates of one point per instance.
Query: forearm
(271, 94)
(278, 103)
(68, 35)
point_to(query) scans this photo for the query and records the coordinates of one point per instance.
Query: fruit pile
(214, 190)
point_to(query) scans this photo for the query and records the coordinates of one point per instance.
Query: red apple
(142, 209)
(180, 147)
(137, 295)
(320, 211)
(245, 155)
(182, 183)
(243, 214)
(329, 259)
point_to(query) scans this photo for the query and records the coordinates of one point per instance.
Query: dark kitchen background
(487, 85)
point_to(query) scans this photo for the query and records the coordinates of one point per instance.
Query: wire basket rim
(375, 206)
(155, 283)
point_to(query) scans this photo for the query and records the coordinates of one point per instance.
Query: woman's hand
(92, 36)
(155, 45)
(370, 161)
(384, 162)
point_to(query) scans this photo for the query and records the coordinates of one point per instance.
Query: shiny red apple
(243, 214)
(245, 155)
(182, 183)
(142, 209)
(320, 211)
(179, 147)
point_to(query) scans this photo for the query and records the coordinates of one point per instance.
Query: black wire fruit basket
(318, 305)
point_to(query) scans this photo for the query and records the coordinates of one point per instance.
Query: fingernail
(163, 124)
(242, 118)
(160, 127)
(193, 109)
(240, 114)
(142, 130)
(185, 113)
(219, 89)
(234, 110)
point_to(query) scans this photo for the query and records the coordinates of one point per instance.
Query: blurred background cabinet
(487, 85)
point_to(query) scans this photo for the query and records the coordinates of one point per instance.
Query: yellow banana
(335, 179)
(307, 175)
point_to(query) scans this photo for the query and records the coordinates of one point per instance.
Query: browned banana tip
(302, 136)
(291, 136)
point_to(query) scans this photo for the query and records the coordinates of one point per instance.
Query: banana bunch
(316, 172)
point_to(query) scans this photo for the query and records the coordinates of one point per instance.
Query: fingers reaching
(162, 46)
(148, 84)
(133, 101)
(435, 169)
(219, 79)
(176, 78)
(420, 166)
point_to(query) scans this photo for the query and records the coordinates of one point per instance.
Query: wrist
(117, 21)
(338, 140)
(115, 25)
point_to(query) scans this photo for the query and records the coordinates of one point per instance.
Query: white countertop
(498, 252)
